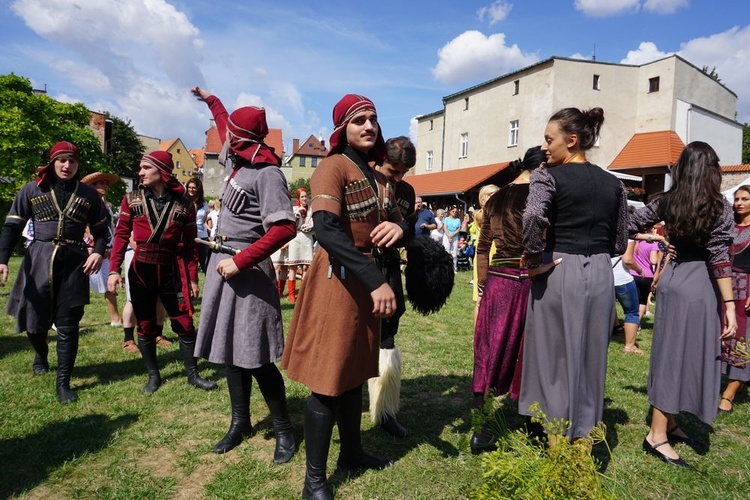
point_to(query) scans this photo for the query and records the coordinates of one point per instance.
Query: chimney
(295, 145)
(322, 144)
(211, 123)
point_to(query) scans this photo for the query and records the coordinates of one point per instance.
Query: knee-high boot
(271, 385)
(385, 393)
(349, 419)
(319, 418)
(38, 341)
(67, 350)
(187, 347)
(147, 346)
(239, 383)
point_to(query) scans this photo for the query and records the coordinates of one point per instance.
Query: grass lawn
(117, 443)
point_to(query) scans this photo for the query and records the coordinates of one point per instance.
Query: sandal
(730, 410)
(632, 350)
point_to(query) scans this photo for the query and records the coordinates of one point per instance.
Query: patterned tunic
(333, 351)
(57, 253)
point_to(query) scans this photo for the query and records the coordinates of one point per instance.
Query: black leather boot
(147, 346)
(240, 386)
(390, 425)
(482, 442)
(40, 366)
(187, 347)
(271, 385)
(67, 350)
(349, 419)
(319, 418)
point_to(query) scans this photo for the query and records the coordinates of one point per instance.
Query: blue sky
(137, 58)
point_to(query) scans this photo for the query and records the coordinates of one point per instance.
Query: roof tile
(453, 181)
(649, 149)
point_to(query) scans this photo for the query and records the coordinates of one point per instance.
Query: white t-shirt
(620, 272)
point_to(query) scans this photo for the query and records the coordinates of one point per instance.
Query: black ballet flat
(730, 410)
(652, 450)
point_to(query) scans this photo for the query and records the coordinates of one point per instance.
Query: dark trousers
(151, 281)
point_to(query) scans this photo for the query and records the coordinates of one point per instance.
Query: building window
(516, 86)
(430, 124)
(466, 104)
(314, 161)
(464, 145)
(429, 161)
(596, 82)
(301, 161)
(653, 84)
(513, 133)
(178, 164)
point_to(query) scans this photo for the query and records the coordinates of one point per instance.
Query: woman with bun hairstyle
(575, 220)
(685, 372)
(503, 290)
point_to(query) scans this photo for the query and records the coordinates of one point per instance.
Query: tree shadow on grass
(14, 343)
(28, 461)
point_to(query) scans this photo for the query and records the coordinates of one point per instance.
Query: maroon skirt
(498, 338)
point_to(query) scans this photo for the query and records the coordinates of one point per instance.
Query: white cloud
(83, 76)
(664, 6)
(646, 52)
(495, 12)
(578, 55)
(472, 55)
(603, 8)
(413, 126)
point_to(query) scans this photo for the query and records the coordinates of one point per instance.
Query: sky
(138, 59)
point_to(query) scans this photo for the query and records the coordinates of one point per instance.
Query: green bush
(523, 468)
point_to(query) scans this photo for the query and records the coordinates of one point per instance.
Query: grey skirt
(685, 372)
(568, 325)
(240, 321)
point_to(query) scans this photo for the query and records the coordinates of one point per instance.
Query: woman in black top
(575, 219)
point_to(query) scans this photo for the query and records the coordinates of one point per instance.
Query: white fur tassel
(385, 390)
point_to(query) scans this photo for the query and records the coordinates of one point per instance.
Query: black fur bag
(429, 275)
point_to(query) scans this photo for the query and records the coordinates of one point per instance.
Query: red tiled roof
(453, 181)
(650, 149)
(213, 142)
(276, 141)
(311, 147)
(198, 157)
(728, 169)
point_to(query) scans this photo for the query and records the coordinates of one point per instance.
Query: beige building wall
(430, 140)
(621, 90)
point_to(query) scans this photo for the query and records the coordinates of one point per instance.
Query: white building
(496, 121)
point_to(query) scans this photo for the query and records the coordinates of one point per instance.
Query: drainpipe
(462, 201)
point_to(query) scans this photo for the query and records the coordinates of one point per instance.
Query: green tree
(299, 183)
(746, 144)
(30, 124)
(123, 156)
(713, 74)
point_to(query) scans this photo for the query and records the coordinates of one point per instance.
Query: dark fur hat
(429, 275)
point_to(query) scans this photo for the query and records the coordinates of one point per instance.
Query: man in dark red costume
(165, 265)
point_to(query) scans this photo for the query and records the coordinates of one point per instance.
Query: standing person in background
(240, 323)
(194, 188)
(452, 228)
(438, 234)
(646, 256)
(485, 192)
(300, 249)
(626, 294)
(212, 218)
(385, 389)
(736, 369)
(503, 284)
(575, 220)
(161, 219)
(425, 219)
(52, 286)
(334, 352)
(685, 372)
(102, 181)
